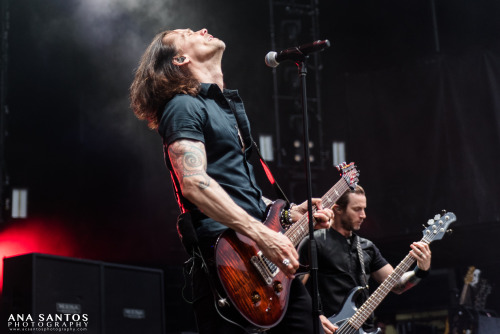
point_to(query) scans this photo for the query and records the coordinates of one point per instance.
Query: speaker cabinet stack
(41, 290)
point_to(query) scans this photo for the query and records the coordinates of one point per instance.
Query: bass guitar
(254, 285)
(350, 319)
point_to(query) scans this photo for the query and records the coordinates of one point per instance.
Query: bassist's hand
(327, 325)
(422, 253)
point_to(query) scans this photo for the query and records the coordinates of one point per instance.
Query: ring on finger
(286, 262)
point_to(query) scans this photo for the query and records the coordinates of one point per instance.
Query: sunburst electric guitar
(254, 285)
(350, 319)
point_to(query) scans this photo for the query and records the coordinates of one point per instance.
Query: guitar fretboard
(437, 227)
(300, 229)
(358, 319)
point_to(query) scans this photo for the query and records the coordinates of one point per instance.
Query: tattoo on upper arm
(189, 159)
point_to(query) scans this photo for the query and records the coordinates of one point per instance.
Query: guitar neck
(463, 295)
(381, 292)
(300, 229)
(469, 277)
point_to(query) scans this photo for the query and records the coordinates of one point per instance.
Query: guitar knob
(255, 297)
(278, 287)
(222, 302)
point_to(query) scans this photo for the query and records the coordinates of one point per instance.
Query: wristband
(420, 273)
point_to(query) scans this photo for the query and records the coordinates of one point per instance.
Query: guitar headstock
(349, 173)
(469, 277)
(475, 277)
(438, 226)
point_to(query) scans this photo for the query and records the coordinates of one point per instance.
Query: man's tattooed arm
(407, 281)
(189, 160)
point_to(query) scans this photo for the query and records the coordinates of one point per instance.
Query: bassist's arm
(421, 252)
(408, 279)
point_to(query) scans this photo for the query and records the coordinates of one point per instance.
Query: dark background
(418, 107)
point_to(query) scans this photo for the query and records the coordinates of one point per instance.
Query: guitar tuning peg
(436, 217)
(424, 226)
(450, 231)
(443, 212)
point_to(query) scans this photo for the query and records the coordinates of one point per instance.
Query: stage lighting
(19, 203)
(266, 147)
(338, 150)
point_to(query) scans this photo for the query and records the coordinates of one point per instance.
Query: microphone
(274, 58)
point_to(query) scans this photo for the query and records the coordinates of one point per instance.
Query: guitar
(349, 319)
(254, 285)
(468, 280)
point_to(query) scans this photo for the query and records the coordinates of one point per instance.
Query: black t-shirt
(339, 268)
(213, 118)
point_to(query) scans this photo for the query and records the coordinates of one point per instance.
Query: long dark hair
(157, 80)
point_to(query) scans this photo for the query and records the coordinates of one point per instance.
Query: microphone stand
(300, 61)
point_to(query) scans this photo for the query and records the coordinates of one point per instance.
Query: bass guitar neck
(349, 319)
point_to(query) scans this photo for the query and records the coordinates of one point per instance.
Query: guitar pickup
(266, 268)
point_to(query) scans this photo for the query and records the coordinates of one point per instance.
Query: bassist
(339, 265)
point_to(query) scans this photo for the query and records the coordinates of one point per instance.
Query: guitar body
(255, 286)
(261, 299)
(346, 312)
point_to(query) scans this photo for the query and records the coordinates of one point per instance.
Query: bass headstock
(438, 226)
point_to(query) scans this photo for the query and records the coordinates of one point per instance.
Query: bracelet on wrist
(286, 217)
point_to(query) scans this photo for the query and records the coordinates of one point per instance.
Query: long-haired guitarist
(179, 90)
(339, 263)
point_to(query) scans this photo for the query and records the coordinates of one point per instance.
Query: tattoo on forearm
(407, 281)
(188, 160)
(204, 184)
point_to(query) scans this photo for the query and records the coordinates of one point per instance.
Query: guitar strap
(267, 170)
(362, 264)
(270, 177)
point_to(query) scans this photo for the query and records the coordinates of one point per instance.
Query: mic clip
(294, 54)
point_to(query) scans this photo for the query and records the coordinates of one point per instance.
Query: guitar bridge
(266, 268)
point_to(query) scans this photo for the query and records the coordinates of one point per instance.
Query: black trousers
(297, 319)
